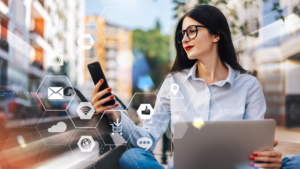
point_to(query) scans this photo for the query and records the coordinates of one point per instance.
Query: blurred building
(272, 51)
(269, 47)
(14, 47)
(34, 30)
(113, 49)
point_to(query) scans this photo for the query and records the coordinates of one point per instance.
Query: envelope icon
(55, 93)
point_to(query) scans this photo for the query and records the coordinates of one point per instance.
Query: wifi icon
(85, 109)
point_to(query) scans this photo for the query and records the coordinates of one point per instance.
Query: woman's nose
(185, 38)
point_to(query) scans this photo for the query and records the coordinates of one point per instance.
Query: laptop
(221, 144)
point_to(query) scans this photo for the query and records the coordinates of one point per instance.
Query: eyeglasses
(191, 32)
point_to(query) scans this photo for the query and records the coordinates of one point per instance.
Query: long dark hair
(217, 24)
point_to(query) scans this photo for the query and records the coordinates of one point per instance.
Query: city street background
(47, 43)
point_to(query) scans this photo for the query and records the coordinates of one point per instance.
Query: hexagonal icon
(86, 144)
(85, 110)
(24, 142)
(81, 123)
(57, 60)
(56, 92)
(146, 98)
(145, 111)
(85, 41)
(90, 42)
(52, 63)
(139, 101)
(175, 93)
(55, 127)
(117, 133)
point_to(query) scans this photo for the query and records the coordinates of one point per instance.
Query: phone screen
(97, 74)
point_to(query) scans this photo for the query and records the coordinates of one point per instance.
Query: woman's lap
(140, 158)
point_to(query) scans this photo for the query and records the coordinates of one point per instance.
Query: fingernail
(252, 164)
(255, 154)
(116, 105)
(251, 158)
(101, 80)
(109, 89)
(111, 97)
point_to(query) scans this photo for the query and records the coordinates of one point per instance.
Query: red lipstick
(188, 47)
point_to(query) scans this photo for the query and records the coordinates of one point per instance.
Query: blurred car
(17, 103)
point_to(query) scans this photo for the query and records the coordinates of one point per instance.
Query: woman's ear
(216, 38)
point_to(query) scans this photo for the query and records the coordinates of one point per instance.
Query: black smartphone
(97, 74)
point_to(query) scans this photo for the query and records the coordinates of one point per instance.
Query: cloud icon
(58, 128)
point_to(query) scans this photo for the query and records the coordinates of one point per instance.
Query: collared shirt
(237, 97)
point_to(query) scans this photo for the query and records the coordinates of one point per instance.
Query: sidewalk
(288, 140)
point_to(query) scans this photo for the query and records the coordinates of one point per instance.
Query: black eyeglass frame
(185, 31)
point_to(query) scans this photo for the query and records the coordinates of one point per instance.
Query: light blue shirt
(238, 97)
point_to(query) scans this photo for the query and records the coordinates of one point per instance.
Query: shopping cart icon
(117, 129)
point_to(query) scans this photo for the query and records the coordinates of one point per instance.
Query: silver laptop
(222, 144)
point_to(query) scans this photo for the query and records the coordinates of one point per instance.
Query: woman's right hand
(98, 104)
(271, 159)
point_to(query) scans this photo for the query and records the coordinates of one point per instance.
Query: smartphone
(97, 74)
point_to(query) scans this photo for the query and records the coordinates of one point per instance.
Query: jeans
(291, 162)
(140, 158)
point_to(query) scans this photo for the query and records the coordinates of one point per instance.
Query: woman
(207, 75)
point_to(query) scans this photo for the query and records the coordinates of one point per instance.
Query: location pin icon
(174, 88)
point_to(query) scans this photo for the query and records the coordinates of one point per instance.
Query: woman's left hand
(268, 159)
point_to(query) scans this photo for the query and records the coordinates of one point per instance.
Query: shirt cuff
(127, 124)
(123, 117)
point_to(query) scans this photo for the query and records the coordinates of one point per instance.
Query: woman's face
(199, 46)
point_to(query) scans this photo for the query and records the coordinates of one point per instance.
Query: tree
(155, 47)
(232, 13)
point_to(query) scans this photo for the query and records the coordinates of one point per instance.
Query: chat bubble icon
(145, 143)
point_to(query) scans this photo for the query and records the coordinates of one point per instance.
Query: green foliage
(221, 2)
(155, 48)
(276, 7)
(235, 29)
(204, 2)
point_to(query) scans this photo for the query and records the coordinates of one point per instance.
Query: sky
(135, 14)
